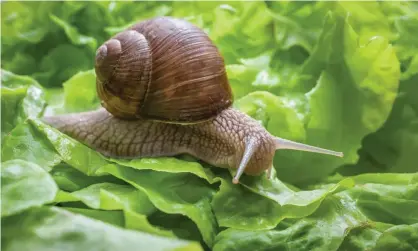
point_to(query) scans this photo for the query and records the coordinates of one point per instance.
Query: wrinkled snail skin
(220, 142)
(164, 91)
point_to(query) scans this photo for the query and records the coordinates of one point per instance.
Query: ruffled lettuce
(23, 96)
(52, 228)
(376, 214)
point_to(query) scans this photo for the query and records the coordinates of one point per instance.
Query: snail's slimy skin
(220, 142)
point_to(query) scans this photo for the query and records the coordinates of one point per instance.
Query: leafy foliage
(340, 75)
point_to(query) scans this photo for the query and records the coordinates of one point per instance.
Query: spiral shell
(163, 69)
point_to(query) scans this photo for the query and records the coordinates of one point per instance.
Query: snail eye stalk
(248, 153)
(288, 144)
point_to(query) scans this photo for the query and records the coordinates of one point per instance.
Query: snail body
(220, 142)
(165, 92)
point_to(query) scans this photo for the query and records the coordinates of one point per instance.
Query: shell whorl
(164, 69)
(123, 68)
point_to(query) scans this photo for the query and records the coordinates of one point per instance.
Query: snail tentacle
(288, 144)
(250, 148)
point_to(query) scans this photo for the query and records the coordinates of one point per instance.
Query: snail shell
(163, 69)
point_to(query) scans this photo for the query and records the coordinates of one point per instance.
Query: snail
(164, 91)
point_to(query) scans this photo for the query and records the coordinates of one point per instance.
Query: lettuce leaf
(43, 49)
(54, 68)
(109, 196)
(365, 216)
(240, 30)
(404, 22)
(72, 33)
(262, 204)
(21, 23)
(297, 24)
(52, 228)
(70, 179)
(23, 96)
(173, 193)
(25, 143)
(24, 185)
(392, 148)
(112, 217)
(365, 73)
(78, 94)
(402, 237)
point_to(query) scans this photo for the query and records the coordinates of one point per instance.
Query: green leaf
(70, 179)
(388, 198)
(367, 19)
(381, 208)
(236, 207)
(241, 30)
(21, 97)
(356, 87)
(73, 34)
(399, 179)
(261, 204)
(168, 164)
(297, 24)
(324, 230)
(26, 143)
(362, 237)
(275, 113)
(405, 24)
(108, 196)
(50, 140)
(393, 147)
(77, 95)
(294, 203)
(173, 193)
(112, 217)
(356, 218)
(71, 151)
(19, 22)
(80, 92)
(29, 30)
(24, 185)
(61, 63)
(275, 71)
(182, 226)
(402, 237)
(129, 14)
(52, 228)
